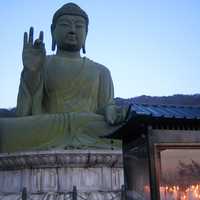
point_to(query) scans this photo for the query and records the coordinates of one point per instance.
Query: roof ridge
(166, 105)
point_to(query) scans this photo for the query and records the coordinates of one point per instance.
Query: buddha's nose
(72, 29)
(71, 32)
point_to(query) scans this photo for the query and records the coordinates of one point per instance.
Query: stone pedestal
(49, 175)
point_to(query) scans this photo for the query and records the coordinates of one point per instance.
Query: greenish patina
(64, 100)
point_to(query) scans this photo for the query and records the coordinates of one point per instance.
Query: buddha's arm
(112, 113)
(105, 92)
(29, 101)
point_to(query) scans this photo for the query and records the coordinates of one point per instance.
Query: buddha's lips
(71, 36)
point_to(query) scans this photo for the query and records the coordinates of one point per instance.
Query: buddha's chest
(63, 74)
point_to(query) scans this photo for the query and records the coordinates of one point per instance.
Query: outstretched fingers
(31, 36)
(25, 42)
(29, 40)
(39, 42)
(41, 36)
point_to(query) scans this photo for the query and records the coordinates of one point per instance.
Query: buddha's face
(70, 32)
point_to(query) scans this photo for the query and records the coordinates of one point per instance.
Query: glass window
(180, 174)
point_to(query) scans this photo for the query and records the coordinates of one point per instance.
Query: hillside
(179, 99)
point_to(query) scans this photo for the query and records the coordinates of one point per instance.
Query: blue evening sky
(151, 47)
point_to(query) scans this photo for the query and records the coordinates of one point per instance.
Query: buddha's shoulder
(96, 65)
(89, 63)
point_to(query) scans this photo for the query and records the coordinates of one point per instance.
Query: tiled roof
(158, 117)
(166, 111)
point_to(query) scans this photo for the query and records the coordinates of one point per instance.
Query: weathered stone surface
(61, 158)
(65, 101)
(97, 174)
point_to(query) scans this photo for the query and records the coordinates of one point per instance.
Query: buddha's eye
(64, 24)
(79, 25)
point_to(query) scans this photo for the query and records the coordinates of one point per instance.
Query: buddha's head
(69, 28)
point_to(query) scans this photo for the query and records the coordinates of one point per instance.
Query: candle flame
(176, 192)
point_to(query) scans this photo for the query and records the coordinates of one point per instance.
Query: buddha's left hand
(115, 115)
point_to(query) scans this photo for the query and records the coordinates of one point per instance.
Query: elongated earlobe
(53, 45)
(83, 49)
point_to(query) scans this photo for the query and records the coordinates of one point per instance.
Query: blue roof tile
(167, 111)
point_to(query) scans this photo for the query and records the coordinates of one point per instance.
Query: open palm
(33, 54)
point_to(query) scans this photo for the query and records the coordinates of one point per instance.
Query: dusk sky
(151, 47)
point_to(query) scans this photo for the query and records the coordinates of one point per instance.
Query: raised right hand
(33, 55)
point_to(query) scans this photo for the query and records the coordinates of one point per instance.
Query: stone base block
(95, 174)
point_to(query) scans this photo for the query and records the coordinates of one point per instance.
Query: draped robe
(65, 110)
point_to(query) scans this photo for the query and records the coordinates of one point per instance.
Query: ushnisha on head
(69, 28)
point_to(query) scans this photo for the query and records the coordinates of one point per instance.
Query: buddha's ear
(83, 46)
(53, 44)
(83, 49)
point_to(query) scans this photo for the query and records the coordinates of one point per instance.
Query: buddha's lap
(36, 130)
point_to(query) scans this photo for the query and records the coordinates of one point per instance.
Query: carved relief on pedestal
(97, 175)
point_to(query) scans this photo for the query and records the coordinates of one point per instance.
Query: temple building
(160, 160)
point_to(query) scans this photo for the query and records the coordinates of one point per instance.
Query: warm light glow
(175, 192)
(191, 192)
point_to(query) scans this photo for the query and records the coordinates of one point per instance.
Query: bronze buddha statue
(65, 100)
